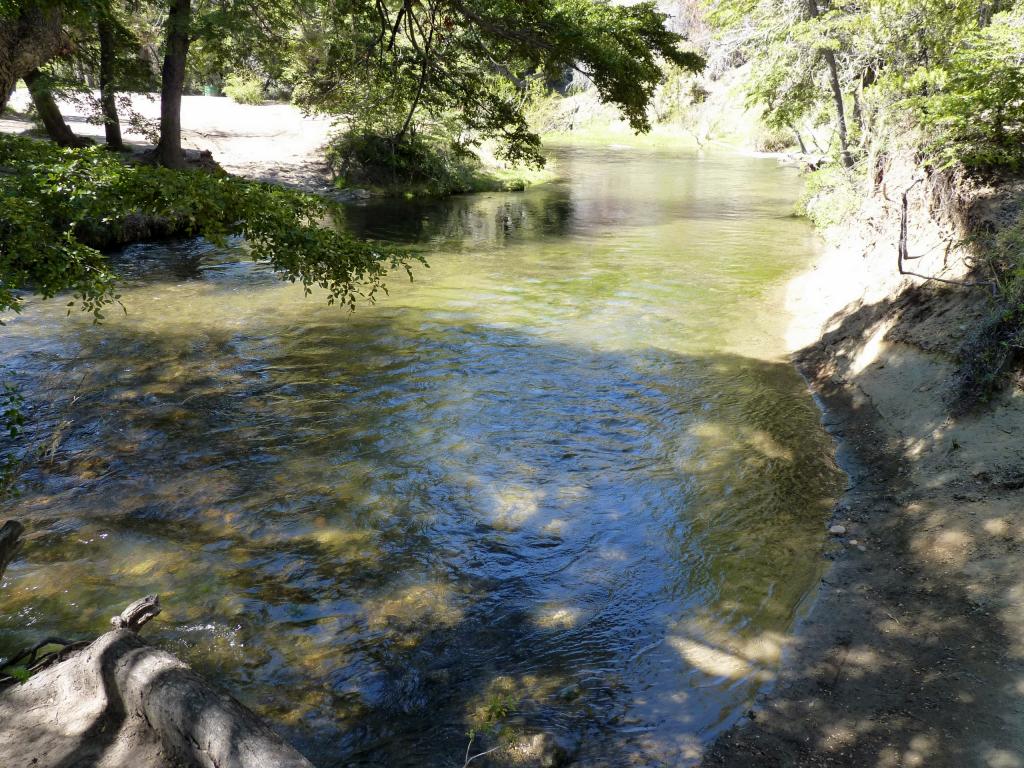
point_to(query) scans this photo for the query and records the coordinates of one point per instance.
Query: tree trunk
(49, 112)
(837, 93)
(108, 88)
(837, 97)
(168, 151)
(799, 139)
(986, 10)
(27, 43)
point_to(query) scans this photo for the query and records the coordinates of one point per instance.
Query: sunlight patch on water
(565, 477)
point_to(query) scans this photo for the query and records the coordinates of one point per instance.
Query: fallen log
(122, 703)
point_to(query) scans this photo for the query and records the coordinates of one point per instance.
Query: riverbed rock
(837, 530)
(570, 692)
(540, 750)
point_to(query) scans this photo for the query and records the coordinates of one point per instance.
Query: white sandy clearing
(269, 142)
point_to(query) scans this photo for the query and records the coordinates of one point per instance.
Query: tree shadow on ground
(906, 661)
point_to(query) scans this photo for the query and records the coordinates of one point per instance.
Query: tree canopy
(390, 67)
(944, 75)
(63, 204)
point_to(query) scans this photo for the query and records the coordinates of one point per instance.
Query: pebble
(854, 542)
(837, 530)
(546, 750)
(570, 692)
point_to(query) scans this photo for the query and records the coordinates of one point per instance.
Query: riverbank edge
(910, 653)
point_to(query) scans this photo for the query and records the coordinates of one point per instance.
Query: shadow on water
(384, 529)
(624, 539)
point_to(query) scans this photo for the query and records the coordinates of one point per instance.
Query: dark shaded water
(566, 480)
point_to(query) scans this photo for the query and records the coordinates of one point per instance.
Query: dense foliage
(57, 205)
(244, 88)
(974, 106)
(434, 165)
(944, 76)
(393, 67)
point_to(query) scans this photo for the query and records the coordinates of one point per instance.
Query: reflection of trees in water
(179, 260)
(603, 191)
(389, 519)
(494, 218)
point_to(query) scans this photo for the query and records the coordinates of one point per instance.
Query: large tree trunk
(168, 151)
(49, 112)
(108, 86)
(837, 97)
(837, 93)
(27, 42)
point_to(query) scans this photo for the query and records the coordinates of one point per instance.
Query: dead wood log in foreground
(122, 703)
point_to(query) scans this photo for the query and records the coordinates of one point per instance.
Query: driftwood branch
(138, 613)
(10, 533)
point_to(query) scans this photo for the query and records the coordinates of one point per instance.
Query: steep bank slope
(914, 652)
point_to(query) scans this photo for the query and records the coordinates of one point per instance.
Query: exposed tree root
(120, 702)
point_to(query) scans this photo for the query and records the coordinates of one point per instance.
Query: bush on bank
(418, 164)
(59, 207)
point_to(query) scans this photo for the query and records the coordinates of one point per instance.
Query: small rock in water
(854, 542)
(570, 692)
(547, 751)
(837, 530)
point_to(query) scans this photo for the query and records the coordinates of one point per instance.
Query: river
(565, 481)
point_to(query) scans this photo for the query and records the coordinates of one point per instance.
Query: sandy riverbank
(270, 142)
(913, 654)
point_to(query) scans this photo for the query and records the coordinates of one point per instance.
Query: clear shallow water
(566, 473)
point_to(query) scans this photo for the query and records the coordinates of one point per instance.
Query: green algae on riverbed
(571, 456)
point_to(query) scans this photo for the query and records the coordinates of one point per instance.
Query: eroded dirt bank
(913, 654)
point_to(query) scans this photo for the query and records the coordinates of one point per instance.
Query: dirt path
(914, 652)
(271, 142)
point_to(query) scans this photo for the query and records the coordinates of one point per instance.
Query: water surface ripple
(565, 480)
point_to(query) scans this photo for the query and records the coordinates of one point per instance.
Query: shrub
(773, 139)
(418, 163)
(975, 112)
(244, 88)
(996, 349)
(830, 196)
